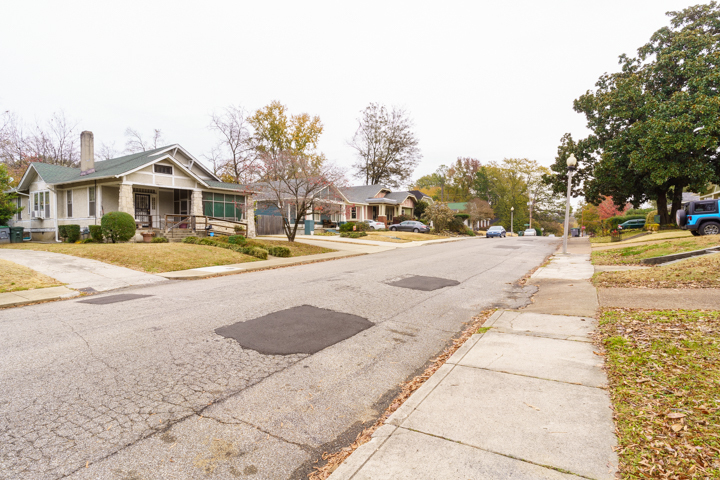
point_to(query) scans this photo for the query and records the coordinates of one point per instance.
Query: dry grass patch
(664, 379)
(653, 237)
(297, 249)
(400, 237)
(633, 254)
(18, 277)
(697, 272)
(146, 257)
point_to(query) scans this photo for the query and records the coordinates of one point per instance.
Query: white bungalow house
(164, 189)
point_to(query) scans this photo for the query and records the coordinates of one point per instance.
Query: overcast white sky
(483, 79)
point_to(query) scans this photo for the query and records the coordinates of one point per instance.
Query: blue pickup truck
(701, 217)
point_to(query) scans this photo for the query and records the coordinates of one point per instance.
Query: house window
(91, 201)
(220, 205)
(164, 169)
(353, 213)
(69, 196)
(19, 206)
(41, 204)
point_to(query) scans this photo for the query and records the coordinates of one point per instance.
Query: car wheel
(710, 228)
(415, 230)
(393, 229)
(695, 233)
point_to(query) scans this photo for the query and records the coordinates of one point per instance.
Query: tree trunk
(676, 201)
(662, 207)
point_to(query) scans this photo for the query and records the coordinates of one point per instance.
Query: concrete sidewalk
(23, 297)
(524, 400)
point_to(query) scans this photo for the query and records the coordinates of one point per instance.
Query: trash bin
(4, 234)
(16, 234)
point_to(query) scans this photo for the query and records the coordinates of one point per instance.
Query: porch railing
(183, 225)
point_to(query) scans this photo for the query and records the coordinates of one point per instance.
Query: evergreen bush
(118, 226)
(96, 233)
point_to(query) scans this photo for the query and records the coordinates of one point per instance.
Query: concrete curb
(679, 256)
(24, 297)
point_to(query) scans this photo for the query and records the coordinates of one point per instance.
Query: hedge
(159, 240)
(118, 226)
(70, 233)
(279, 251)
(353, 234)
(237, 239)
(253, 250)
(96, 233)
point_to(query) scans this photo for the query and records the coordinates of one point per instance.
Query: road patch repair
(304, 329)
(425, 284)
(108, 299)
(524, 398)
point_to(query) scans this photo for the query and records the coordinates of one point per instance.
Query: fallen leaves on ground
(334, 459)
(664, 378)
(697, 272)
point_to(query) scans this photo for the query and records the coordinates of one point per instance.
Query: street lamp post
(571, 162)
(512, 210)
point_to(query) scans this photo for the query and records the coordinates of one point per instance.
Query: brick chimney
(87, 153)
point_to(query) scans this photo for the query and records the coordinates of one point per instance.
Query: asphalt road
(146, 389)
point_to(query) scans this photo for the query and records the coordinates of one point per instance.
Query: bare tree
(386, 147)
(235, 154)
(296, 184)
(478, 210)
(106, 152)
(135, 142)
(56, 142)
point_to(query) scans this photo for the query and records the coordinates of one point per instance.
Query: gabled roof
(362, 193)
(115, 167)
(400, 196)
(420, 195)
(457, 206)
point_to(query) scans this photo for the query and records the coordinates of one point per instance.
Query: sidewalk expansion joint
(552, 336)
(549, 467)
(602, 387)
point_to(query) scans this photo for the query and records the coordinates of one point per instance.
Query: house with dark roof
(377, 202)
(157, 187)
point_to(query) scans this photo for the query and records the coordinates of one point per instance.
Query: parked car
(496, 231)
(530, 232)
(375, 225)
(701, 217)
(552, 235)
(410, 226)
(636, 223)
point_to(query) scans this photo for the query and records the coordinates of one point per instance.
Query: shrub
(258, 252)
(159, 240)
(362, 227)
(87, 240)
(440, 216)
(456, 225)
(347, 226)
(193, 240)
(652, 227)
(237, 239)
(650, 218)
(69, 233)
(118, 226)
(402, 218)
(469, 232)
(279, 251)
(96, 233)
(239, 229)
(353, 234)
(207, 241)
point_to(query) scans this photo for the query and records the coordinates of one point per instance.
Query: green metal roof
(53, 174)
(458, 206)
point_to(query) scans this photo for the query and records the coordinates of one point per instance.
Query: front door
(142, 210)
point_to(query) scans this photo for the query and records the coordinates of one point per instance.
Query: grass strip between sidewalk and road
(400, 237)
(633, 255)
(664, 381)
(696, 272)
(145, 257)
(334, 459)
(16, 277)
(653, 237)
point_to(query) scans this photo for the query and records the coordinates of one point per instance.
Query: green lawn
(633, 254)
(664, 379)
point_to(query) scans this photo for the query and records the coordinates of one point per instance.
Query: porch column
(196, 206)
(250, 216)
(126, 202)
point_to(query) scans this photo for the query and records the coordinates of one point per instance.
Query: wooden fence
(269, 225)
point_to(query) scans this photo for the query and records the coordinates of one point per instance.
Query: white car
(530, 232)
(375, 225)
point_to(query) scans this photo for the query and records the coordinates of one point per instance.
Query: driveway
(80, 273)
(183, 380)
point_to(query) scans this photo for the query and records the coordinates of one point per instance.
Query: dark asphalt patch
(426, 284)
(87, 290)
(123, 297)
(303, 329)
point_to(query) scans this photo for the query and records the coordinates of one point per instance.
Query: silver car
(530, 232)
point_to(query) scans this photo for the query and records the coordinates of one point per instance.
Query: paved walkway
(523, 400)
(23, 297)
(80, 273)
